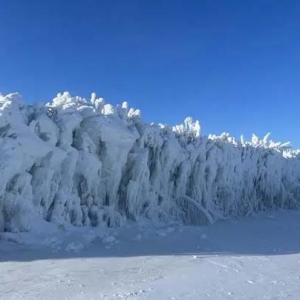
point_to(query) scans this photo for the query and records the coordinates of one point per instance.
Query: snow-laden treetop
(96, 106)
(89, 163)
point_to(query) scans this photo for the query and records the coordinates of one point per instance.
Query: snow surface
(252, 258)
(84, 162)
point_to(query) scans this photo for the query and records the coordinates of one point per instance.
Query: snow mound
(87, 163)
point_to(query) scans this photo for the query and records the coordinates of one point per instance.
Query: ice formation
(90, 163)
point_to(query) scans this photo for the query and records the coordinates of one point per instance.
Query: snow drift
(90, 163)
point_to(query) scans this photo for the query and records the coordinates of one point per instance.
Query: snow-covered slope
(89, 163)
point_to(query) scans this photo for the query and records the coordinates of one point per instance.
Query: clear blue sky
(232, 64)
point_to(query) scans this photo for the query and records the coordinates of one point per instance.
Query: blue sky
(234, 65)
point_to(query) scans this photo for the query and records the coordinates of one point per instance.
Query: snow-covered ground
(250, 258)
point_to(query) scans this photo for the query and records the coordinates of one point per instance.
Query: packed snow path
(251, 258)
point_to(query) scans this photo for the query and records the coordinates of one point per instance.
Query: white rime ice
(88, 163)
